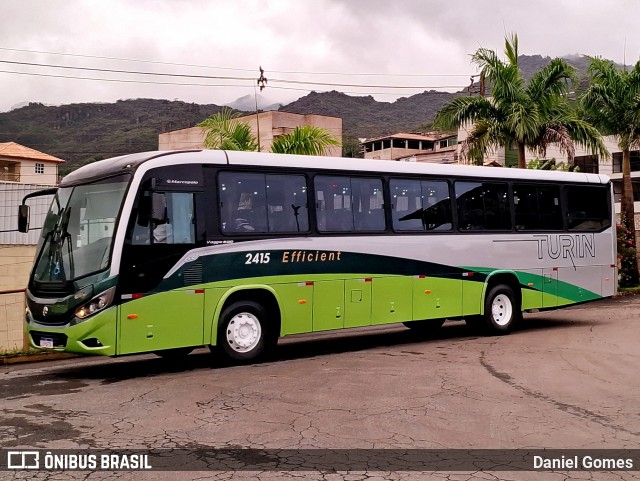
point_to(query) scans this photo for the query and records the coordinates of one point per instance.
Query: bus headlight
(98, 303)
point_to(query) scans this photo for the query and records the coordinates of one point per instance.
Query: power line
(210, 77)
(355, 74)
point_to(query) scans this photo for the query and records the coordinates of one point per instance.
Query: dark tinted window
(258, 203)
(287, 204)
(537, 207)
(588, 208)
(368, 204)
(349, 204)
(483, 206)
(420, 205)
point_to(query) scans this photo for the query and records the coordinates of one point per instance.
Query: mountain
(366, 117)
(247, 103)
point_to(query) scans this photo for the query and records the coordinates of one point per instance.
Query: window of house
(634, 161)
(39, 168)
(587, 163)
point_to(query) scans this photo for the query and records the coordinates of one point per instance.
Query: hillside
(82, 133)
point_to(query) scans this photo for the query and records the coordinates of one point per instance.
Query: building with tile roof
(20, 164)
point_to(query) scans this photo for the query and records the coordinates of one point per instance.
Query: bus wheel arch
(501, 306)
(248, 324)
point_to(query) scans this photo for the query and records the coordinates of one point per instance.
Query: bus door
(550, 287)
(153, 317)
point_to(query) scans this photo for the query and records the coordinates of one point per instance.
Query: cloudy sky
(209, 51)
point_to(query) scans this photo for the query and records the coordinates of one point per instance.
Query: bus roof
(130, 163)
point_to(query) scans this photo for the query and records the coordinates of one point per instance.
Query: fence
(16, 257)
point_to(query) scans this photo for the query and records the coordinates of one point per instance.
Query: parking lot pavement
(565, 379)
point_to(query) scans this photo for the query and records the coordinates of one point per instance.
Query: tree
(528, 114)
(612, 103)
(225, 131)
(305, 140)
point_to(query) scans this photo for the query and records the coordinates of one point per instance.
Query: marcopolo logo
(23, 460)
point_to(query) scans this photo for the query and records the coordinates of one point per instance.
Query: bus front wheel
(501, 310)
(243, 331)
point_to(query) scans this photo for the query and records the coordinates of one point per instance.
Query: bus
(164, 252)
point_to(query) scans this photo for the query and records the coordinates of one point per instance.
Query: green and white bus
(166, 251)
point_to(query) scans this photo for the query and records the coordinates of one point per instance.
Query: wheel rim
(501, 310)
(243, 332)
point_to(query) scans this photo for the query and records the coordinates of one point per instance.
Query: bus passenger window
(243, 202)
(537, 207)
(333, 195)
(287, 204)
(588, 208)
(483, 206)
(368, 203)
(420, 205)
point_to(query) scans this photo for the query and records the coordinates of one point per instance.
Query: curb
(19, 358)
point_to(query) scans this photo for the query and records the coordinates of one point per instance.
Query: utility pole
(262, 81)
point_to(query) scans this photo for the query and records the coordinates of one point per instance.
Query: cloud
(314, 37)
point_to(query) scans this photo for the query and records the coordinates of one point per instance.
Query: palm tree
(306, 140)
(612, 103)
(224, 131)
(530, 115)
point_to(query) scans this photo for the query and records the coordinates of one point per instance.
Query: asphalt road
(565, 379)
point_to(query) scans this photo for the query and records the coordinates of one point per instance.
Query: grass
(627, 291)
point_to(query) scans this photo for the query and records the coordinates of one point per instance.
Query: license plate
(46, 342)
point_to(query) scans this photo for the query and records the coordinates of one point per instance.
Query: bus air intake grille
(193, 275)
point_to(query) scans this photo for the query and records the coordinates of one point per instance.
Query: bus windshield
(78, 230)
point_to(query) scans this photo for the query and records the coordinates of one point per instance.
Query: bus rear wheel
(243, 333)
(501, 310)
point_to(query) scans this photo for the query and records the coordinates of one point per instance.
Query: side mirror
(23, 218)
(158, 208)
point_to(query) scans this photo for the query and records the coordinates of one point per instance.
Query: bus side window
(587, 208)
(243, 202)
(368, 204)
(483, 206)
(179, 227)
(334, 204)
(287, 203)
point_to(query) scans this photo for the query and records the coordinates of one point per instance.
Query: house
(431, 147)
(22, 170)
(27, 166)
(271, 125)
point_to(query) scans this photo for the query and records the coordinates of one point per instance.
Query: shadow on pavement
(143, 366)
